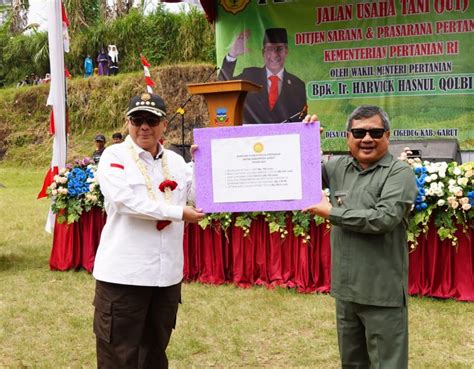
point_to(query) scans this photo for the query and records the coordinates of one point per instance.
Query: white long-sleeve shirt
(132, 251)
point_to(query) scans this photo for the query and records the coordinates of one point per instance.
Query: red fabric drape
(91, 224)
(440, 270)
(75, 244)
(66, 250)
(262, 258)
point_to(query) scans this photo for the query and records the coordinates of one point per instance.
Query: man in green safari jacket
(371, 197)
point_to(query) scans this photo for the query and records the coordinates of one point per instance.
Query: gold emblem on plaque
(258, 147)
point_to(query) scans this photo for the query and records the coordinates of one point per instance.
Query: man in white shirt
(139, 262)
(283, 95)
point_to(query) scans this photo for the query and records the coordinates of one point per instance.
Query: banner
(411, 57)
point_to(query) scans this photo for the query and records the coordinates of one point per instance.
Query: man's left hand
(322, 208)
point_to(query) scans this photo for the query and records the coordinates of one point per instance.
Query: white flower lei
(144, 171)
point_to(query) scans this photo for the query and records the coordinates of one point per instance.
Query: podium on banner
(225, 100)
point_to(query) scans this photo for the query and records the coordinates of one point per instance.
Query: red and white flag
(58, 40)
(149, 82)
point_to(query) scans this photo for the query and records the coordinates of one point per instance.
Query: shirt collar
(279, 74)
(383, 162)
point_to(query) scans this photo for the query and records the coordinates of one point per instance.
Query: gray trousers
(374, 337)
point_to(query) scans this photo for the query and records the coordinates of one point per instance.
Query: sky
(38, 10)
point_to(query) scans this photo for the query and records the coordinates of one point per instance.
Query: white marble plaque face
(263, 168)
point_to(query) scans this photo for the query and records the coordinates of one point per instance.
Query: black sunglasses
(150, 120)
(361, 132)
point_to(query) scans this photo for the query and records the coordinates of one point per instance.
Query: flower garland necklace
(166, 186)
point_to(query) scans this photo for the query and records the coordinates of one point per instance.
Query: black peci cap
(150, 103)
(275, 36)
(100, 138)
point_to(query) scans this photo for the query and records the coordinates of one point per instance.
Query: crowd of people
(33, 79)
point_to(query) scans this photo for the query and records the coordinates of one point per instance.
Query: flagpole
(58, 42)
(57, 93)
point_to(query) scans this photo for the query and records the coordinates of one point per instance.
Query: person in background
(100, 147)
(34, 79)
(117, 138)
(47, 78)
(103, 63)
(24, 82)
(283, 95)
(88, 66)
(371, 195)
(113, 60)
(139, 262)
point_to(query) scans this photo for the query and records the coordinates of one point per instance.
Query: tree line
(163, 37)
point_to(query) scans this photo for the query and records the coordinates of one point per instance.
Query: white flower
(56, 178)
(91, 187)
(434, 177)
(442, 174)
(53, 185)
(54, 192)
(463, 181)
(452, 182)
(457, 171)
(451, 199)
(466, 207)
(441, 202)
(458, 193)
(428, 179)
(62, 180)
(468, 174)
(454, 204)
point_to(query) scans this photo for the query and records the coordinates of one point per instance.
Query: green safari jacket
(368, 237)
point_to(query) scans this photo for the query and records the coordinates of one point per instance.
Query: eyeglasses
(276, 49)
(361, 132)
(151, 121)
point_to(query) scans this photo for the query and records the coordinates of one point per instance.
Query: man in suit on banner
(283, 95)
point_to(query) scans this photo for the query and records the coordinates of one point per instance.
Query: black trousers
(133, 324)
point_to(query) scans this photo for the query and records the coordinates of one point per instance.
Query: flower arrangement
(445, 195)
(75, 190)
(277, 221)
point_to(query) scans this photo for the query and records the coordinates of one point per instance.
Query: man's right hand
(239, 46)
(192, 215)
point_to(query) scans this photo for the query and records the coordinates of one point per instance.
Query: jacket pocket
(102, 319)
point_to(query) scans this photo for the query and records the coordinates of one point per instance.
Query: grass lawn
(46, 317)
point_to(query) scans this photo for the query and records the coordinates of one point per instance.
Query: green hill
(95, 105)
